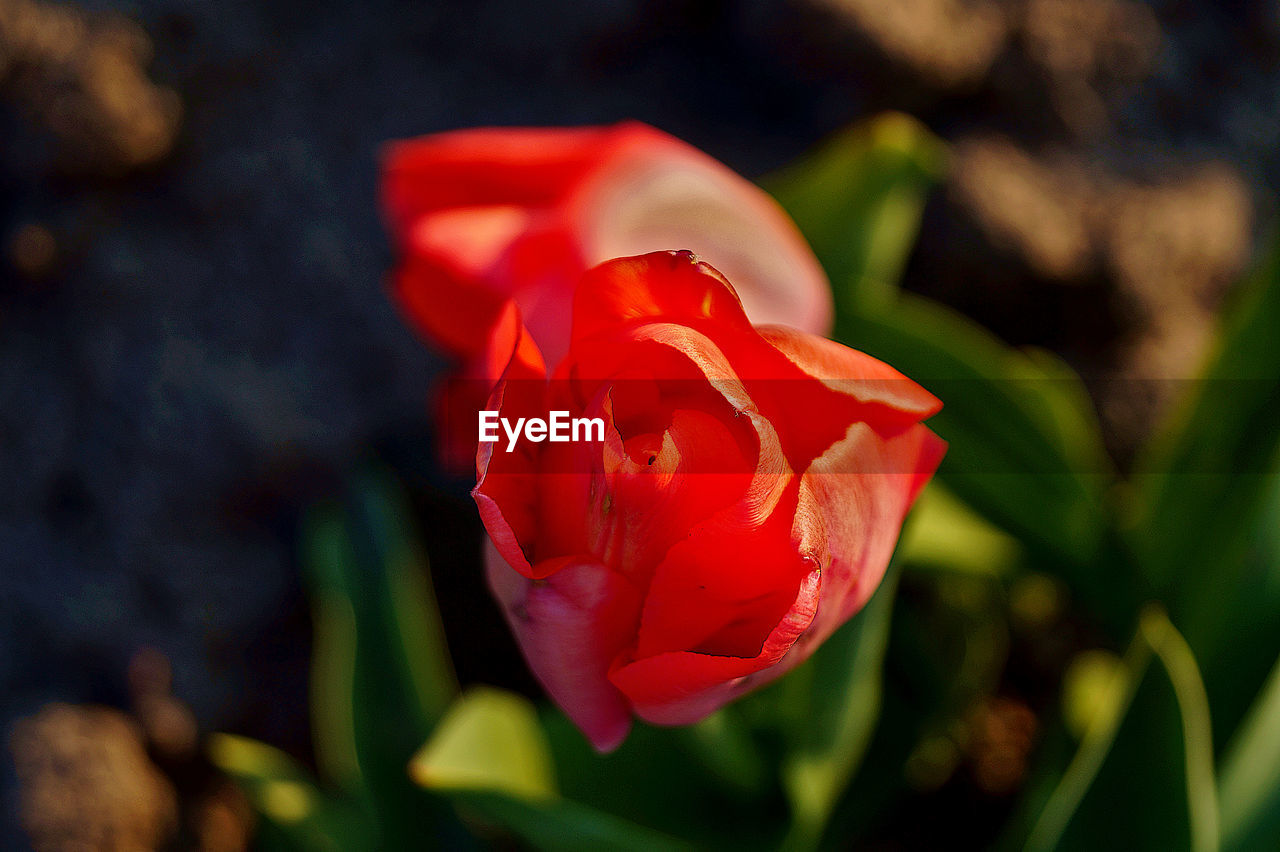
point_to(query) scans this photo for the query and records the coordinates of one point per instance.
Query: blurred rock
(1169, 245)
(1038, 208)
(950, 42)
(1173, 250)
(224, 820)
(33, 251)
(82, 76)
(94, 778)
(1002, 732)
(1091, 37)
(1150, 259)
(87, 784)
(1175, 247)
(1085, 47)
(169, 725)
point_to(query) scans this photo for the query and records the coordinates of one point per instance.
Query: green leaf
(381, 675)
(945, 534)
(1212, 465)
(1026, 450)
(298, 815)
(1128, 761)
(653, 776)
(1249, 787)
(1025, 446)
(722, 743)
(490, 757)
(489, 740)
(562, 825)
(858, 201)
(833, 702)
(1208, 503)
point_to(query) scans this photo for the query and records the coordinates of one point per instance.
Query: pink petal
(570, 628)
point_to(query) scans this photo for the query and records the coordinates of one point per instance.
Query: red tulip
(744, 501)
(483, 216)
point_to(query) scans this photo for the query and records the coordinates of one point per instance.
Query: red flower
(483, 216)
(743, 503)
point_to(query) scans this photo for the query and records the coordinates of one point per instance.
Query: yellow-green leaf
(489, 740)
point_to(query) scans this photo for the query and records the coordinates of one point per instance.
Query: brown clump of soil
(1084, 48)
(82, 76)
(1175, 247)
(1174, 250)
(87, 783)
(1002, 734)
(952, 42)
(96, 778)
(1038, 208)
(1064, 58)
(1154, 257)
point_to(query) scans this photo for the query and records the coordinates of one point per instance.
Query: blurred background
(197, 343)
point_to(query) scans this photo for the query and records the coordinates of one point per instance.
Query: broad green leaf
(658, 773)
(1112, 704)
(834, 701)
(1236, 631)
(1025, 447)
(489, 740)
(1026, 450)
(1249, 787)
(298, 815)
(947, 535)
(396, 574)
(1208, 497)
(381, 674)
(490, 757)
(1210, 469)
(722, 743)
(560, 825)
(1143, 774)
(858, 200)
(946, 650)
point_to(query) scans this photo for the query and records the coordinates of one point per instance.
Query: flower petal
(570, 627)
(656, 192)
(852, 502)
(682, 687)
(663, 286)
(851, 372)
(726, 585)
(526, 166)
(506, 482)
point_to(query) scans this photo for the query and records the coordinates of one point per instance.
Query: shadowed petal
(571, 627)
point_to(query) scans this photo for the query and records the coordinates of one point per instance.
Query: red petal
(486, 166)
(461, 265)
(851, 372)
(682, 687)
(854, 499)
(664, 286)
(656, 192)
(780, 369)
(651, 498)
(449, 309)
(724, 588)
(506, 487)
